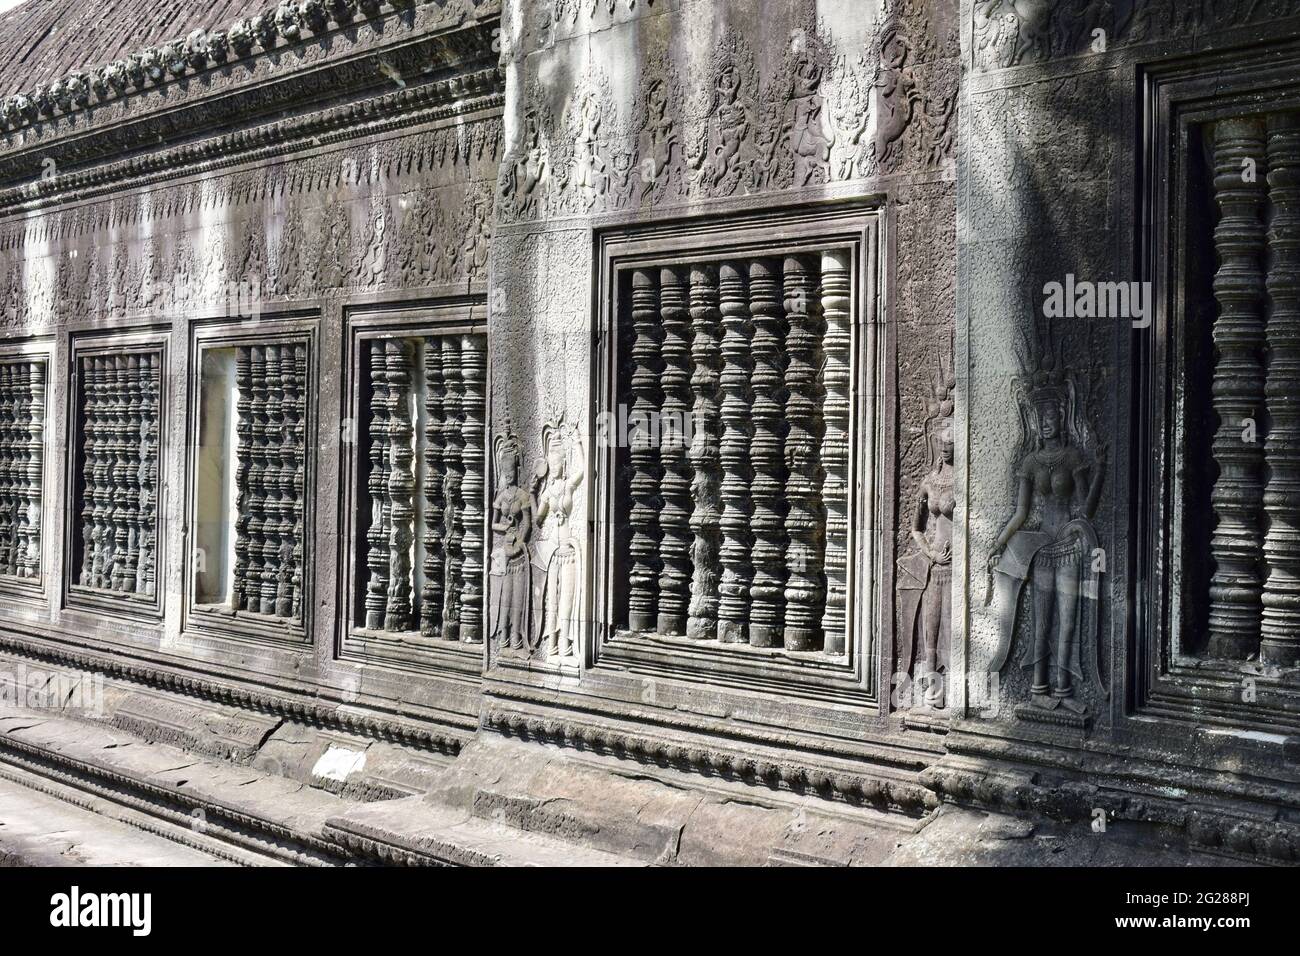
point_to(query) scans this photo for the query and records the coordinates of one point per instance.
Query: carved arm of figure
(516, 538)
(1094, 489)
(919, 523)
(541, 506)
(574, 479)
(1017, 521)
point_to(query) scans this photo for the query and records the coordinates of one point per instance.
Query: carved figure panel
(925, 575)
(1044, 570)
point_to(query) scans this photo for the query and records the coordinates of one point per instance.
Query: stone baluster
(805, 517)
(9, 488)
(35, 462)
(6, 451)
(706, 427)
(453, 404)
(149, 452)
(243, 445)
(474, 374)
(130, 489)
(767, 591)
(401, 484)
(434, 478)
(737, 471)
(1280, 629)
(299, 556)
(91, 420)
(377, 485)
(290, 483)
(271, 479)
(675, 485)
(643, 583)
(1238, 390)
(256, 501)
(106, 438)
(121, 467)
(835, 289)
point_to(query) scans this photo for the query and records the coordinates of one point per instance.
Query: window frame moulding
(30, 596)
(1167, 676)
(208, 620)
(860, 676)
(408, 650)
(138, 608)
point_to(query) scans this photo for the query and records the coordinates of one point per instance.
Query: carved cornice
(784, 772)
(397, 57)
(287, 704)
(289, 24)
(464, 94)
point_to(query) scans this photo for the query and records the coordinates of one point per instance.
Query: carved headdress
(506, 450)
(1047, 383)
(939, 409)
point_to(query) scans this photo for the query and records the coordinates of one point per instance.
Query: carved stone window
(730, 432)
(115, 474)
(1220, 370)
(418, 425)
(249, 557)
(22, 468)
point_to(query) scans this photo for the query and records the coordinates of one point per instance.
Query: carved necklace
(1052, 458)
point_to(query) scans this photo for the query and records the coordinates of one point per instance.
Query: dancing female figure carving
(925, 577)
(553, 490)
(1051, 543)
(511, 563)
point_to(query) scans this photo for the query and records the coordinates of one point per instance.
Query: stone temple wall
(691, 129)
(1098, 165)
(243, 196)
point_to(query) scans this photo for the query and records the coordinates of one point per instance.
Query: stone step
(38, 829)
(226, 811)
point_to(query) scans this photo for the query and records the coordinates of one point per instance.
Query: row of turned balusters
(449, 605)
(1255, 590)
(121, 398)
(271, 382)
(22, 462)
(741, 533)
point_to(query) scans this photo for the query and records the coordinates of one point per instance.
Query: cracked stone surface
(40, 830)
